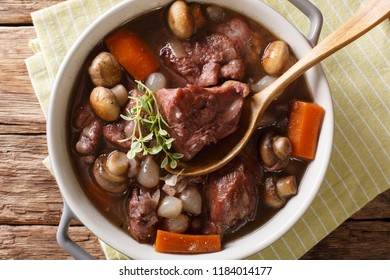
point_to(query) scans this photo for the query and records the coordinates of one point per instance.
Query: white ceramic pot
(84, 210)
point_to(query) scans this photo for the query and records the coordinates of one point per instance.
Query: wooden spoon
(216, 156)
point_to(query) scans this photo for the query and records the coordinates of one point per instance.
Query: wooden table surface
(30, 202)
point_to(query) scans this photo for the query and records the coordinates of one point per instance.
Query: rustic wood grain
(370, 211)
(20, 111)
(39, 243)
(357, 240)
(28, 192)
(18, 11)
(365, 235)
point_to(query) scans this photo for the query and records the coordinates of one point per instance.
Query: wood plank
(28, 192)
(16, 88)
(18, 11)
(379, 208)
(357, 240)
(39, 243)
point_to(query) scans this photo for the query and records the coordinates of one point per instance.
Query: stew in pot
(159, 89)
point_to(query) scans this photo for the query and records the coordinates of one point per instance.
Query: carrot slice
(133, 53)
(169, 242)
(304, 128)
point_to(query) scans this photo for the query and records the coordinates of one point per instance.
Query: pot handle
(315, 17)
(64, 240)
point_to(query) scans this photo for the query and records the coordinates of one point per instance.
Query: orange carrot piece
(304, 127)
(133, 53)
(169, 242)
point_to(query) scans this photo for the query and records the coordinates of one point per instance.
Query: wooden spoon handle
(373, 14)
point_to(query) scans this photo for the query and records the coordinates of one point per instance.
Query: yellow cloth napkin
(359, 78)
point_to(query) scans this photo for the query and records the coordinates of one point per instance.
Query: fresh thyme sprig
(145, 114)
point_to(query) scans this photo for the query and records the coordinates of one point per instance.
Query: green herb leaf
(163, 132)
(177, 155)
(147, 123)
(155, 150)
(173, 164)
(131, 154)
(136, 146)
(164, 163)
(145, 105)
(145, 114)
(148, 137)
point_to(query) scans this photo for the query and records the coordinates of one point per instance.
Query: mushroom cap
(276, 55)
(180, 20)
(105, 70)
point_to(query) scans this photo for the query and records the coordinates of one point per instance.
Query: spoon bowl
(212, 158)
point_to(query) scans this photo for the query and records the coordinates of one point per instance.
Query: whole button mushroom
(105, 104)
(180, 20)
(275, 57)
(105, 70)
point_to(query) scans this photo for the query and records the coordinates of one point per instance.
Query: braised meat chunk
(250, 42)
(90, 129)
(231, 194)
(220, 55)
(199, 116)
(142, 216)
(205, 61)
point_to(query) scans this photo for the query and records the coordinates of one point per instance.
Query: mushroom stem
(275, 151)
(286, 186)
(121, 94)
(114, 182)
(117, 163)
